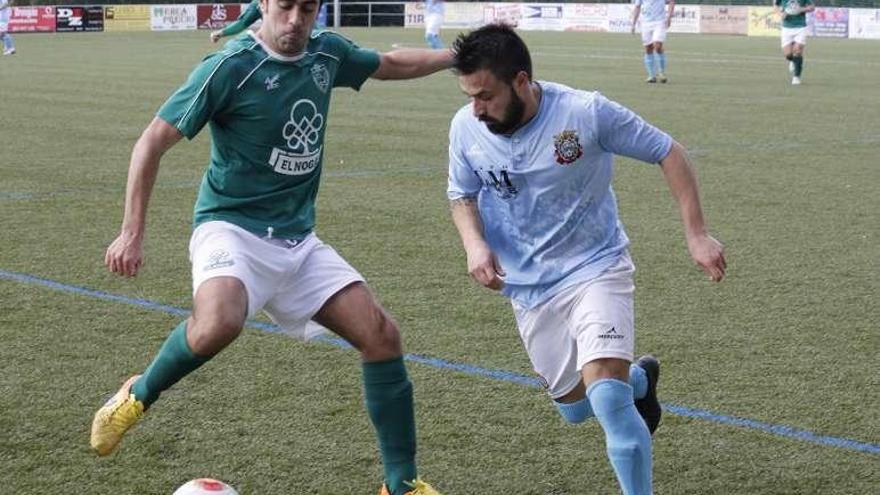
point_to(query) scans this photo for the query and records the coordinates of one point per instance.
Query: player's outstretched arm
(670, 14)
(705, 250)
(125, 254)
(482, 264)
(410, 63)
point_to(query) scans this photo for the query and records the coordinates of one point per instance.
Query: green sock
(174, 361)
(798, 64)
(389, 397)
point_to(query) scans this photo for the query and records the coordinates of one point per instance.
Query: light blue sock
(661, 60)
(434, 40)
(580, 411)
(7, 42)
(649, 64)
(638, 380)
(627, 440)
(575, 412)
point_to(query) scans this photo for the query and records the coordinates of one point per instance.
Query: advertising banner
(508, 13)
(458, 15)
(127, 18)
(32, 20)
(831, 22)
(414, 15)
(763, 21)
(172, 17)
(685, 19)
(620, 17)
(864, 23)
(541, 17)
(463, 15)
(590, 17)
(217, 16)
(76, 18)
(717, 19)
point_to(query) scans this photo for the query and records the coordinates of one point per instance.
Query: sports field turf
(790, 183)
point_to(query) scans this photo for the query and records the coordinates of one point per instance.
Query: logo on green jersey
(303, 134)
(321, 76)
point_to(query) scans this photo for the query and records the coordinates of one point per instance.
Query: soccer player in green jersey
(251, 14)
(266, 97)
(794, 33)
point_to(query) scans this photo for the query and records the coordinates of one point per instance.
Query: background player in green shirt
(250, 15)
(794, 33)
(266, 98)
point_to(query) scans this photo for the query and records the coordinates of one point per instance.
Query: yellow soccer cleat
(419, 487)
(119, 414)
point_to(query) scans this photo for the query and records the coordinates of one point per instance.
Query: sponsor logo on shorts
(218, 258)
(611, 334)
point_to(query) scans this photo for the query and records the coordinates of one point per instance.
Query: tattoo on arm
(464, 202)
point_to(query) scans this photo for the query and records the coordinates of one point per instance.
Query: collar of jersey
(273, 53)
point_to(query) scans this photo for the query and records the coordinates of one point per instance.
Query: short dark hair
(495, 47)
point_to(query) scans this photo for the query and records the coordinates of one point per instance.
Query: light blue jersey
(5, 12)
(544, 193)
(652, 10)
(435, 7)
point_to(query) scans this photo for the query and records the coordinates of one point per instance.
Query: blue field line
(501, 375)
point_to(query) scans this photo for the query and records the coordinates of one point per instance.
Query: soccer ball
(205, 486)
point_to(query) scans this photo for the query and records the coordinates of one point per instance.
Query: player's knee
(384, 339)
(209, 334)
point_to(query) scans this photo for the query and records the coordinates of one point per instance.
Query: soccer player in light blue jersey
(266, 98)
(5, 15)
(530, 171)
(655, 21)
(434, 12)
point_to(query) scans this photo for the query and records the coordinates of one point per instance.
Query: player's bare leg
(355, 315)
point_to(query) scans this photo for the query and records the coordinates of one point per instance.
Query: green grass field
(790, 183)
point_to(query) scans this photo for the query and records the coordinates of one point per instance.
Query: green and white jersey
(268, 115)
(250, 15)
(793, 21)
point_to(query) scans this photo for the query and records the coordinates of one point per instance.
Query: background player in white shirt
(655, 21)
(5, 15)
(530, 170)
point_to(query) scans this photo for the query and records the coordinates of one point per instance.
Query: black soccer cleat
(649, 406)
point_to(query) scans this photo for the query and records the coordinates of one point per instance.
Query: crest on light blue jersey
(568, 147)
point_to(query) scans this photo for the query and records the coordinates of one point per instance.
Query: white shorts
(290, 284)
(794, 35)
(653, 32)
(585, 322)
(433, 23)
